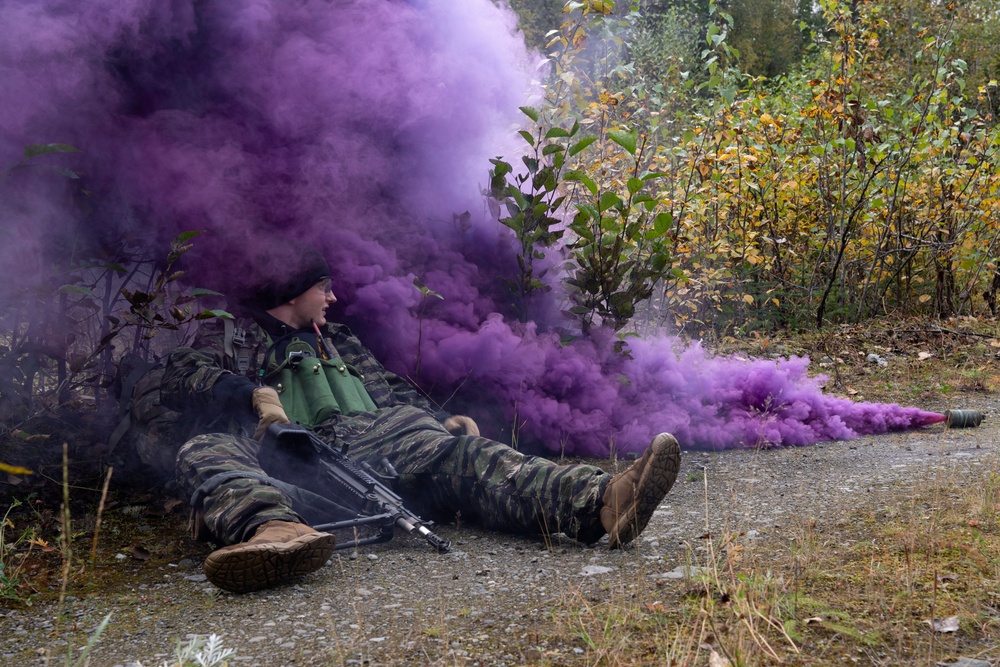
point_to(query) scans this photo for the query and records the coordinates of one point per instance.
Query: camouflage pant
(440, 475)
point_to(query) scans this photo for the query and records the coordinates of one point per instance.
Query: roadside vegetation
(859, 182)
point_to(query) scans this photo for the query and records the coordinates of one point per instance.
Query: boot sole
(658, 477)
(259, 566)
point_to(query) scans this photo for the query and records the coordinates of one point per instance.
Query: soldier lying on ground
(444, 465)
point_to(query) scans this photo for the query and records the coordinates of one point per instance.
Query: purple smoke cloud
(366, 128)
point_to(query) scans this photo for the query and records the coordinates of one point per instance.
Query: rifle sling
(318, 508)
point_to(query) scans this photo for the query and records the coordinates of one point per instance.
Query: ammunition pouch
(312, 389)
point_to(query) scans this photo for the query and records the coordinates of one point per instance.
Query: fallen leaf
(39, 542)
(171, 504)
(716, 659)
(925, 355)
(814, 619)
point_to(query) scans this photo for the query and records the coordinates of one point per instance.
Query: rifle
(348, 483)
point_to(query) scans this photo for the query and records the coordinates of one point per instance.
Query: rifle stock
(354, 485)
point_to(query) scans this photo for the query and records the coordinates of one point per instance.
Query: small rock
(875, 359)
(684, 572)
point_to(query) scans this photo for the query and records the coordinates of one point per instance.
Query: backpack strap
(135, 368)
(229, 337)
(237, 347)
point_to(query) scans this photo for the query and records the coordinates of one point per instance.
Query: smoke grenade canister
(963, 418)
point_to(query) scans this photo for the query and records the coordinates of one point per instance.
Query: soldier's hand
(461, 425)
(268, 406)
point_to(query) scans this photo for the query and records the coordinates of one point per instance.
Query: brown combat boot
(633, 495)
(278, 551)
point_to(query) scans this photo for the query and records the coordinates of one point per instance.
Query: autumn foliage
(863, 183)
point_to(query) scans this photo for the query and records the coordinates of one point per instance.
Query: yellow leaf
(748, 299)
(924, 298)
(776, 302)
(14, 470)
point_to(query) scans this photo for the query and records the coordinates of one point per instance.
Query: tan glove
(461, 425)
(268, 406)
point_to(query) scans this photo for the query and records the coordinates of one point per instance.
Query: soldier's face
(311, 305)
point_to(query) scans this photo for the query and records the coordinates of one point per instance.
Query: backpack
(152, 432)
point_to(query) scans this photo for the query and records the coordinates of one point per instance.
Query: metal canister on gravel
(963, 418)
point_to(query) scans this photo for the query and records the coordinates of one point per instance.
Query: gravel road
(485, 601)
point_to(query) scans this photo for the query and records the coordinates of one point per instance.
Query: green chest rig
(313, 383)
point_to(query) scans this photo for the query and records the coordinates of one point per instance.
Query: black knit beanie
(284, 272)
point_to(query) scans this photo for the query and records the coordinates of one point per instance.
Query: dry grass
(862, 590)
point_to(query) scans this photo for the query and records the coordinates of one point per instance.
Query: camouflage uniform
(440, 474)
